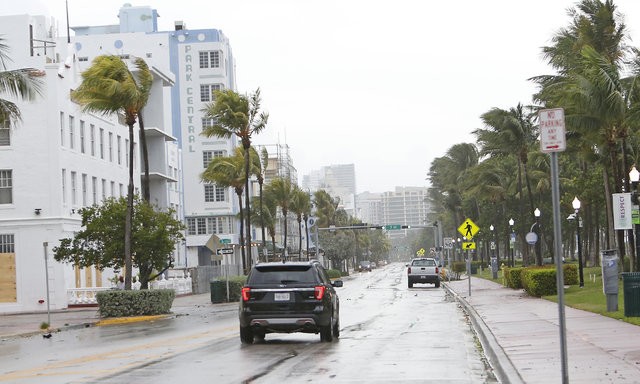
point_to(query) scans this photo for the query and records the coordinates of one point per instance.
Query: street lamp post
(492, 247)
(576, 207)
(537, 214)
(511, 243)
(634, 177)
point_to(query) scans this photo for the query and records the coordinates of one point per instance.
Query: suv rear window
(284, 274)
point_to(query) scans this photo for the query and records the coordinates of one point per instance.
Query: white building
(59, 159)
(405, 206)
(339, 180)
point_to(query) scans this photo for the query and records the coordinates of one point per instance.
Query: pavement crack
(270, 368)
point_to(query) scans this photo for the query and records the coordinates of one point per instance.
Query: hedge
(121, 303)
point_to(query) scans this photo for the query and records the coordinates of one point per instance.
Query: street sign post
(552, 131)
(392, 226)
(468, 229)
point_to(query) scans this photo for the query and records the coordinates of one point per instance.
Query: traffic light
(405, 227)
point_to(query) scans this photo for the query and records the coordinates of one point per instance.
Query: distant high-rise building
(338, 180)
(405, 206)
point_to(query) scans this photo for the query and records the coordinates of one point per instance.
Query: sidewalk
(27, 324)
(521, 337)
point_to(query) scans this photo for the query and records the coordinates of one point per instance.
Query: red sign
(552, 131)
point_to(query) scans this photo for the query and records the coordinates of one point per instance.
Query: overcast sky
(386, 85)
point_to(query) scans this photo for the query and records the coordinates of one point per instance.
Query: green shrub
(539, 281)
(570, 274)
(119, 303)
(459, 266)
(513, 277)
(334, 273)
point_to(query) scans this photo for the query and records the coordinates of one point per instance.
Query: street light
(634, 177)
(537, 214)
(576, 207)
(512, 244)
(494, 261)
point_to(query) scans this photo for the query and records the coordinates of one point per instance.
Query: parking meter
(494, 267)
(609, 263)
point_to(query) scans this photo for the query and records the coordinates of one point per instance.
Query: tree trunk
(146, 190)
(128, 223)
(244, 264)
(246, 201)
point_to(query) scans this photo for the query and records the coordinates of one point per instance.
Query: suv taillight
(436, 270)
(246, 292)
(319, 292)
(409, 271)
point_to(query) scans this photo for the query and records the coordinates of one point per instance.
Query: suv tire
(326, 331)
(246, 335)
(336, 330)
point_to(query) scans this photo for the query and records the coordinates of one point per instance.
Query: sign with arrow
(469, 245)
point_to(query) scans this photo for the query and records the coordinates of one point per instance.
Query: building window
(207, 156)
(62, 129)
(214, 193)
(101, 144)
(71, 132)
(110, 146)
(94, 188)
(7, 243)
(6, 186)
(113, 189)
(92, 133)
(84, 189)
(64, 186)
(126, 152)
(119, 145)
(207, 123)
(209, 59)
(121, 188)
(104, 189)
(206, 91)
(5, 133)
(82, 138)
(208, 225)
(74, 188)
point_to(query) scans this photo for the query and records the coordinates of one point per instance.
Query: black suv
(285, 297)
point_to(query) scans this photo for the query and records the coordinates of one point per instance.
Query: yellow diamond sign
(468, 229)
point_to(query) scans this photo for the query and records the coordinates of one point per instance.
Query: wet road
(389, 333)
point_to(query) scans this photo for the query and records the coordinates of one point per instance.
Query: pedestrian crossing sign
(468, 229)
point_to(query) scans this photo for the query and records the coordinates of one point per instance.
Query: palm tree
(109, 87)
(280, 190)
(227, 171)
(301, 206)
(23, 83)
(239, 115)
(264, 160)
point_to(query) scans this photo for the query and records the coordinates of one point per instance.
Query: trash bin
(474, 268)
(218, 291)
(631, 291)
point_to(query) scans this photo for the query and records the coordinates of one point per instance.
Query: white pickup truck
(423, 270)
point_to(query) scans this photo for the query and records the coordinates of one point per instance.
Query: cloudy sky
(387, 85)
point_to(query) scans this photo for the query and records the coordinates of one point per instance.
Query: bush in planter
(119, 303)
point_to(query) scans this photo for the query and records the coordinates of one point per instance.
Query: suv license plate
(281, 296)
(423, 277)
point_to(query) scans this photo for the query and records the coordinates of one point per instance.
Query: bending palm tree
(109, 87)
(228, 172)
(235, 114)
(22, 83)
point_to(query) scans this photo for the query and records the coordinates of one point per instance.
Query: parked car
(286, 297)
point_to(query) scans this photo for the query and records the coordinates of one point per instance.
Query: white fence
(179, 281)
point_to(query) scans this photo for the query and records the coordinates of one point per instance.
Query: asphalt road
(389, 333)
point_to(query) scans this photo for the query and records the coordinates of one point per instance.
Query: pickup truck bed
(423, 271)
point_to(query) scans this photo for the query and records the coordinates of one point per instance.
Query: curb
(503, 367)
(132, 319)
